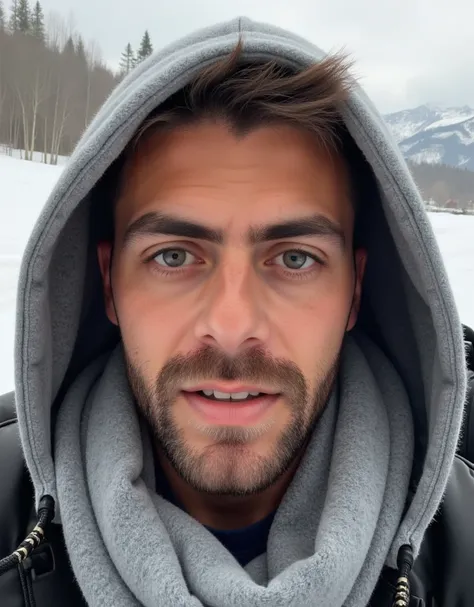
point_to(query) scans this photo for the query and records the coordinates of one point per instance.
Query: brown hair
(246, 95)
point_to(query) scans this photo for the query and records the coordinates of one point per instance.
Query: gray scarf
(331, 534)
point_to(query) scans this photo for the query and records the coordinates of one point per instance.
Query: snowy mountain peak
(429, 133)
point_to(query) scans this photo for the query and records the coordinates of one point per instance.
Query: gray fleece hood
(408, 308)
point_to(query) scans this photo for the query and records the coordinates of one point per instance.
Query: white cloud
(407, 52)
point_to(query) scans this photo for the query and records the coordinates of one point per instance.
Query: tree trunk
(45, 141)
(60, 133)
(88, 99)
(55, 119)
(25, 126)
(36, 100)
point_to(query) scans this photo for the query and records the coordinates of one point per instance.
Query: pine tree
(37, 22)
(81, 50)
(146, 48)
(13, 22)
(69, 48)
(2, 16)
(24, 16)
(127, 60)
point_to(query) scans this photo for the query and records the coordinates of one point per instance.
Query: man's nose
(233, 317)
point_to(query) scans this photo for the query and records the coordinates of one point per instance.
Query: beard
(229, 465)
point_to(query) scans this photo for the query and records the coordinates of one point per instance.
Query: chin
(233, 470)
(230, 460)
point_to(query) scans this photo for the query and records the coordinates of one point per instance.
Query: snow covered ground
(24, 187)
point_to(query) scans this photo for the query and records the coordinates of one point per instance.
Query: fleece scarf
(331, 534)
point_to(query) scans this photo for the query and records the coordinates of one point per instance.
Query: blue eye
(295, 260)
(174, 258)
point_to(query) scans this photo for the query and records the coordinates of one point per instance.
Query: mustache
(254, 365)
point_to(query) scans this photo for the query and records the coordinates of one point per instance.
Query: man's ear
(104, 255)
(360, 260)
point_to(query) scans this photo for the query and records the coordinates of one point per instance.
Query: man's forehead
(213, 145)
(148, 182)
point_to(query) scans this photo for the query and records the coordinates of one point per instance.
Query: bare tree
(30, 87)
(2, 17)
(56, 31)
(50, 86)
(71, 25)
(3, 80)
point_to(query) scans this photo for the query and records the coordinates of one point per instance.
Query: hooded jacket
(408, 309)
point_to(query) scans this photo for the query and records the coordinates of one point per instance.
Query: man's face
(233, 283)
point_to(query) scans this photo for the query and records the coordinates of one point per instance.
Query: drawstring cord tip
(33, 539)
(405, 563)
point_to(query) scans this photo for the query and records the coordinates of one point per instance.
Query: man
(266, 409)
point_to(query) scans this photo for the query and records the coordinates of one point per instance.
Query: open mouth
(215, 395)
(230, 408)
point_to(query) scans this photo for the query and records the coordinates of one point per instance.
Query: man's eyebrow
(159, 223)
(155, 223)
(313, 225)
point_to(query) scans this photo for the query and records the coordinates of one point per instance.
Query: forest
(51, 81)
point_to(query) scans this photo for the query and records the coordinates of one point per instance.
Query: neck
(225, 512)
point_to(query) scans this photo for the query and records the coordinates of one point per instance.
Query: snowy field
(24, 187)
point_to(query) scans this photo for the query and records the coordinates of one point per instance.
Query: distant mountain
(436, 135)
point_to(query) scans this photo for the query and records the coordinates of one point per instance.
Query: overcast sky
(407, 52)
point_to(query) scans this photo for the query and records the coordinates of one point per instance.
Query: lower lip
(245, 413)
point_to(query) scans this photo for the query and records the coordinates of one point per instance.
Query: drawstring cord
(46, 515)
(27, 587)
(405, 564)
(34, 539)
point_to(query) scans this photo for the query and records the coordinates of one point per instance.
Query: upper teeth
(229, 395)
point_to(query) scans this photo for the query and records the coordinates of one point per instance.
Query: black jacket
(442, 576)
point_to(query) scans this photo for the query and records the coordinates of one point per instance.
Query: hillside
(434, 135)
(443, 184)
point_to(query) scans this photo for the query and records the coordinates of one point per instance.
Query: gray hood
(408, 307)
